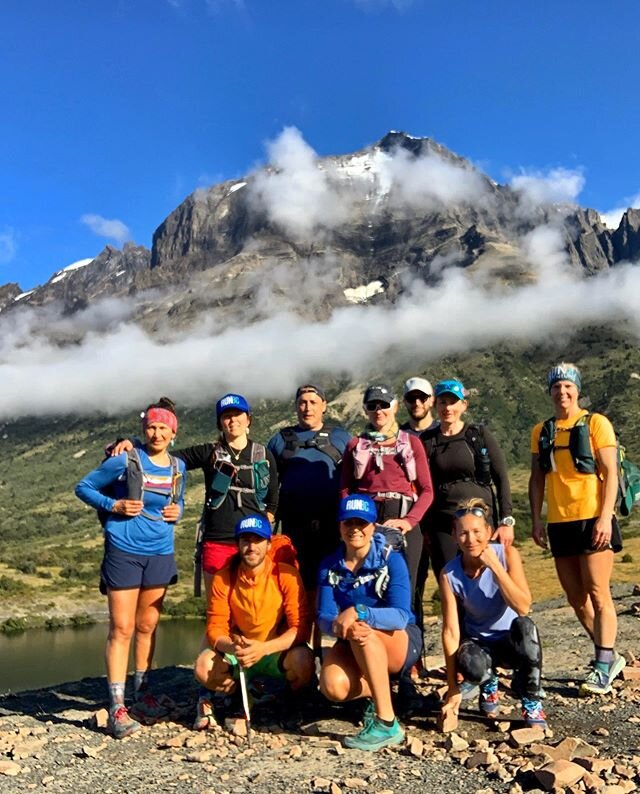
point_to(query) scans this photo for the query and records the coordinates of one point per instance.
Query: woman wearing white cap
(573, 455)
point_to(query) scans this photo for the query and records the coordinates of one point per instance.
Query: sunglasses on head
(475, 511)
(413, 398)
(376, 405)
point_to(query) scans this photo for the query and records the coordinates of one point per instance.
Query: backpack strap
(291, 443)
(176, 479)
(135, 475)
(474, 436)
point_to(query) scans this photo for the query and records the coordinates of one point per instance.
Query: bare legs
(353, 670)
(585, 578)
(134, 613)
(213, 673)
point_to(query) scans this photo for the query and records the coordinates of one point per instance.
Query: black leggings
(394, 508)
(520, 651)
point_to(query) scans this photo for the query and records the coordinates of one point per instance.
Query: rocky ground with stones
(54, 739)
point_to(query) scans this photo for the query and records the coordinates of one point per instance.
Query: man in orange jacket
(257, 619)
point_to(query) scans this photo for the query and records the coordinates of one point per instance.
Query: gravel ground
(51, 737)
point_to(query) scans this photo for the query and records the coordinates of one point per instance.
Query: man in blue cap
(257, 618)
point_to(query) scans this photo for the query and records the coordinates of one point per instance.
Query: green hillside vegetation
(50, 543)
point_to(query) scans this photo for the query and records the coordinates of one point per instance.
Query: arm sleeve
(296, 607)
(271, 499)
(424, 485)
(89, 489)
(499, 474)
(347, 479)
(218, 611)
(396, 613)
(327, 606)
(195, 457)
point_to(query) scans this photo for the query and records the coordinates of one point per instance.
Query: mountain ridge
(225, 227)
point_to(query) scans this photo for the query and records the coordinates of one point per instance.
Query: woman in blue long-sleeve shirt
(364, 600)
(139, 562)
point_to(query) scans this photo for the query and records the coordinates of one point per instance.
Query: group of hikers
(315, 550)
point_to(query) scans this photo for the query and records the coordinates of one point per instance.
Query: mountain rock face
(222, 244)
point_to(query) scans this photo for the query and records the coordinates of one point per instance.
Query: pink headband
(160, 415)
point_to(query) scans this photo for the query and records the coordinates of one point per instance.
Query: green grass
(46, 532)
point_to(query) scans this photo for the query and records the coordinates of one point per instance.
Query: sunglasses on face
(475, 511)
(414, 398)
(377, 405)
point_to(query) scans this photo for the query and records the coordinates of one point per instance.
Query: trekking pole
(245, 702)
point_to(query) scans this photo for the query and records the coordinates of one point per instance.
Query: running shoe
(489, 696)
(533, 713)
(148, 707)
(120, 724)
(376, 735)
(598, 682)
(205, 718)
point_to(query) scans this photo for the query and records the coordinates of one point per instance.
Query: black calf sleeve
(474, 663)
(527, 667)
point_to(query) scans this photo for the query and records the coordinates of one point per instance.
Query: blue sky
(115, 111)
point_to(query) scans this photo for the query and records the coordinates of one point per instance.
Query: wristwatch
(508, 521)
(361, 611)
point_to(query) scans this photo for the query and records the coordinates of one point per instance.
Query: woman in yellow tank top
(574, 457)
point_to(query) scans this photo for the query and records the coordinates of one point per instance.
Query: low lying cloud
(612, 217)
(8, 245)
(100, 360)
(111, 229)
(118, 367)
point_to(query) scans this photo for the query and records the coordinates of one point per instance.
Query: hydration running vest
(320, 441)
(224, 482)
(136, 486)
(474, 438)
(579, 445)
(365, 449)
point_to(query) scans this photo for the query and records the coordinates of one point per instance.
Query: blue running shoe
(489, 696)
(598, 682)
(533, 713)
(375, 736)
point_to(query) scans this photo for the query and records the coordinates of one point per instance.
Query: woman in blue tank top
(485, 600)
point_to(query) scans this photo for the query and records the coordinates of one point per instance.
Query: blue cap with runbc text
(256, 525)
(454, 387)
(357, 506)
(232, 401)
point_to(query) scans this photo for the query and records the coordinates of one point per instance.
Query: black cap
(378, 391)
(309, 387)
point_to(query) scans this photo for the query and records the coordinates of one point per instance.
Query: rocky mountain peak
(398, 217)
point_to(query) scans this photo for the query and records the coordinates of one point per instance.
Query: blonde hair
(476, 503)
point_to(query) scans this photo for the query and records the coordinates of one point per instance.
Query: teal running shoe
(375, 736)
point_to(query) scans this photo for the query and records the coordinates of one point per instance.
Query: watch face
(509, 521)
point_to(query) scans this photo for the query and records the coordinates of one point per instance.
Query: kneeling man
(257, 619)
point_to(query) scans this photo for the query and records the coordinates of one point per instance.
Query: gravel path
(49, 738)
